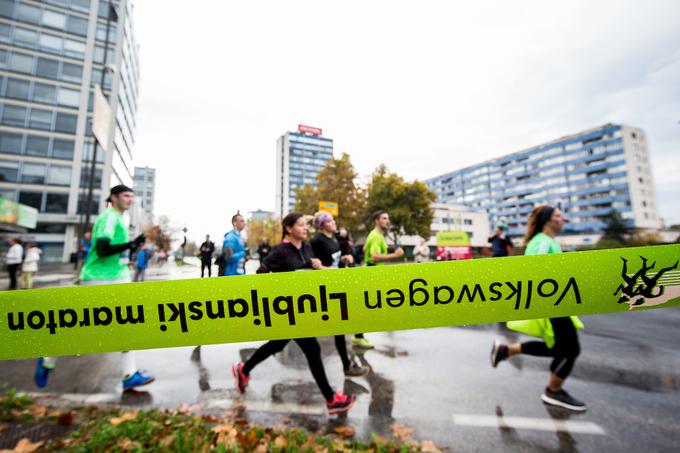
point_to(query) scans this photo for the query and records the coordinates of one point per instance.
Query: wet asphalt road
(437, 381)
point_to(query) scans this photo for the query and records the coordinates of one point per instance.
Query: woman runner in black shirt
(293, 254)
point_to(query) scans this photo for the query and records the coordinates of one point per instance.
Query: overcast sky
(424, 87)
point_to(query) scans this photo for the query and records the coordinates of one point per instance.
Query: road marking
(539, 424)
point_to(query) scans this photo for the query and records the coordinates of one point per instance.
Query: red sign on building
(309, 129)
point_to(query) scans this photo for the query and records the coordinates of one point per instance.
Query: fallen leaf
(38, 410)
(223, 428)
(66, 419)
(123, 418)
(26, 446)
(167, 440)
(344, 431)
(280, 442)
(128, 445)
(260, 448)
(429, 447)
(402, 432)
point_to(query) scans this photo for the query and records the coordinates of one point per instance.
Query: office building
(300, 156)
(52, 55)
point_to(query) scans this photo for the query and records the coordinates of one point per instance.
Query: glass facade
(48, 70)
(586, 175)
(300, 159)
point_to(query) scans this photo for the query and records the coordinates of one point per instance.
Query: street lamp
(112, 15)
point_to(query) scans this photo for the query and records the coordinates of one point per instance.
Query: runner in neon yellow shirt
(107, 263)
(560, 337)
(375, 253)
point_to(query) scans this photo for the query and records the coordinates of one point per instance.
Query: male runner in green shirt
(107, 263)
(375, 253)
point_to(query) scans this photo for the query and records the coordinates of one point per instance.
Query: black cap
(115, 190)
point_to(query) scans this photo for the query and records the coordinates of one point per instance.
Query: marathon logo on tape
(93, 319)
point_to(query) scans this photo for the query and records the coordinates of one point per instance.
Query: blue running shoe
(42, 373)
(137, 380)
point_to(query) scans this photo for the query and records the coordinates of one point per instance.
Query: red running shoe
(340, 403)
(241, 379)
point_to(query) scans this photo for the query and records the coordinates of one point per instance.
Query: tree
(335, 182)
(616, 229)
(267, 228)
(408, 204)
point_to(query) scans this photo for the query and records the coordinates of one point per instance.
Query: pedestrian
(234, 247)
(375, 253)
(501, 245)
(263, 249)
(560, 337)
(221, 263)
(206, 252)
(421, 252)
(30, 265)
(142, 263)
(294, 254)
(13, 259)
(346, 247)
(327, 249)
(107, 263)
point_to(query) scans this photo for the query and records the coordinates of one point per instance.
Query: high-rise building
(589, 175)
(144, 184)
(300, 156)
(51, 57)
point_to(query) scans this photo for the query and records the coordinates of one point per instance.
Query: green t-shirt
(542, 244)
(111, 225)
(375, 244)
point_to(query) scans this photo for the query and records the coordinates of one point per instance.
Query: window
(81, 5)
(10, 143)
(9, 172)
(56, 203)
(63, 149)
(20, 62)
(17, 89)
(70, 98)
(47, 68)
(40, 119)
(14, 115)
(85, 177)
(6, 8)
(60, 176)
(51, 43)
(7, 194)
(33, 173)
(33, 199)
(44, 93)
(66, 123)
(77, 26)
(467, 221)
(37, 146)
(54, 20)
(27, 38)
(50, 228)
(74, 48)
(72, 72)
(28, 13)
(5, 32)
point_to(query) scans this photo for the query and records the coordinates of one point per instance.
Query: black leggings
(565, 350)
(204, 264)
(312, 351)
(341, 346)
(12, 269)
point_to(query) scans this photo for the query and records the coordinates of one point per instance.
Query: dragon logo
(648, 291)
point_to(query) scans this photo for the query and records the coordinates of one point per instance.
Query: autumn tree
(336, 182)
(408, 204)
(269, 228)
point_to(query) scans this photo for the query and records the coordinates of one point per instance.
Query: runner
(559, 334)
(293, 254)
(234, 247)
(327, 249)
(375, 253)
(107, 263)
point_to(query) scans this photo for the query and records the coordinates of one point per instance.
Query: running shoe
(240, 377)
(562, 399)
(356, 370)
(137, 380)
(340, 403)
(362, 343)
(499, 352)
(42, 373)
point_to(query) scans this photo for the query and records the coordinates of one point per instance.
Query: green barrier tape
(94, 319)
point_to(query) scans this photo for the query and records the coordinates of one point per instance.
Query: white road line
(539, 424)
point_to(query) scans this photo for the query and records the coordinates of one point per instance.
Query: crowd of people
(107, 262)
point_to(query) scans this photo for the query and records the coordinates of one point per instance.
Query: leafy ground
(114, 429)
